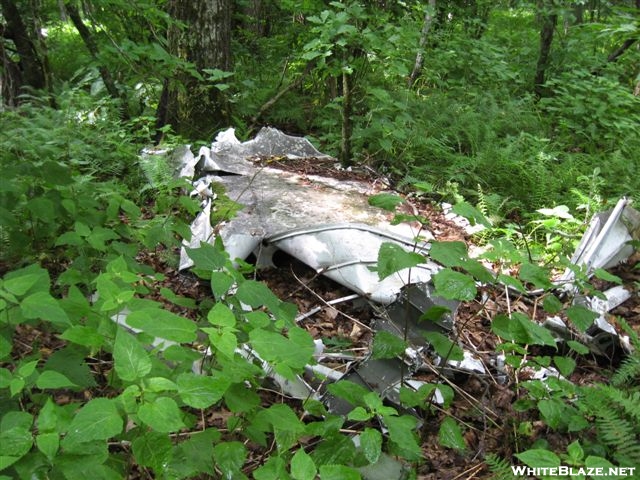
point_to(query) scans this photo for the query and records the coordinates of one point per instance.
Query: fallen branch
(273, 100)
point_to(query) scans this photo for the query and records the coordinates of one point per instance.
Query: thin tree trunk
(273, 100)
(92, 47)
(31, 65)
(424, 34)
(347, 125)
(613, 56)
(549, 22)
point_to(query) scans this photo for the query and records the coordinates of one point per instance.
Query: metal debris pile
(329, 225)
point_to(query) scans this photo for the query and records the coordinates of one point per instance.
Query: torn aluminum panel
(606, 241)
(605, 244)
(346, 253)
(326, 223)
(329, 225)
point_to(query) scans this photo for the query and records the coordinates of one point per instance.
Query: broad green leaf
(131, 360)
(196, 454)
(43, 306)
(41, 208)
(16, 386)
(163, 324)
(537, 334)
(152, 449)
(359, 414)
(177, 299)
(201, 391)
(500, 326)
(5, 377)
(221, 282)
(99, 236)
(31, 278)
(273, 469)
(566, 365)
(349, 391)
(282, 417)
(578, 347)
(302, 466)
(97, 420)
(450, 435)
(48, 417)
(222, 340)
(16, 443)
(48, 444)
(334, 449)
(443, 346)
(71, 360)
(230, 457)
(371, 444)
(207, 257)
(83, 335)
(602, 274)
(479, 271)
(540, 458)
(221, 315)
(455, 285)
(581, 317)
(593, 461)
(239, 398)
(553, 411)
(160, 384)
(512, 282)
(392, 258)
(295, 352)
(449, 254)
(338, 472)
(256, 294)
(551, 304)
(387, 345)
(163, 415)
(471, 213)
(536, 275)
(386, 201)
(435, 313)
(25, 370)
(401, 432)
(561, 211)
(575, 452)
(50, 379)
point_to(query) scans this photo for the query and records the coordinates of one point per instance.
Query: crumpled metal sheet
(276, 202)
(346, 253)
(329, 225)
(605, 244)
(606, 241)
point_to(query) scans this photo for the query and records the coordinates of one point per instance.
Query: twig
(354, 320)
(315, 310)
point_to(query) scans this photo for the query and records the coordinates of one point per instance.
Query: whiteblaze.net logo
(523, 471)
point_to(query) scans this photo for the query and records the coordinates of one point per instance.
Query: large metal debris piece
(606, 242)
(329, 225)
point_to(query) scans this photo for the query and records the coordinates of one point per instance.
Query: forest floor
(483, 404)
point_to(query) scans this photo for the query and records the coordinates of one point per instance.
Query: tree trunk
(549, 19)
(424, 34)
(29, 70)
(92, 47)
(613, 56)
(347, 125)
(194, 107)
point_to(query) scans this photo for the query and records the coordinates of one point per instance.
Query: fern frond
(500, 467)
(628, 372)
